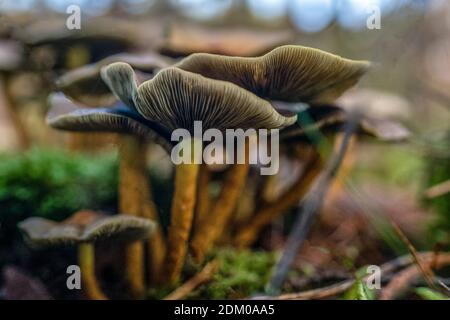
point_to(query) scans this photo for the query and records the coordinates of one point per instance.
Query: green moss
(398, 165)
(438, 171)
(54, 184)
(241, 274)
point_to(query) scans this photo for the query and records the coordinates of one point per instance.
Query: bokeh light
(268, 9)
(94, 8)
(202, 9)
(311, 15)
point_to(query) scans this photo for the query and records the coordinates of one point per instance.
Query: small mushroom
(376, 103)
(84, 229)
(331, 119)
(287, 73)
(184, 39)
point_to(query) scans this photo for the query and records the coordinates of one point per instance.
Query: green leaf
(359, 291)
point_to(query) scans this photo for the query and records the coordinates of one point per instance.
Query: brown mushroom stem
(203, 197)
(213, 226)
(246, 235)
(182, 214)
(134, 199)
(86, 259)
(156, 245)
(22, 135)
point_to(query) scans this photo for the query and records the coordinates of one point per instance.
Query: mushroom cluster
(145, 99)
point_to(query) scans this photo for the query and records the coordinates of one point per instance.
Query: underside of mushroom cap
(65, 115)
(120, 228)
(41, 232)
(288, 73)
(177, 98)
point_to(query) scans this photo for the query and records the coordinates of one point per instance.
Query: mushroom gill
(66, 115)
(287, 73)
(176, 98)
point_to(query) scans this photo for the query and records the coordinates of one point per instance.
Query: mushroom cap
(288, 73)
(86, 86)
(65, 115)
(375, 103)
(85, 226)
(331, 119)
(185, 39)
(54, 31)
(176, 98)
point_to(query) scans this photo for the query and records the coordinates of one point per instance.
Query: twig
(426, 270)
(342, 286)
(203, 276)
(399, 283)
(311, 206)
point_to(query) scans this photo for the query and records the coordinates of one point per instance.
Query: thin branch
(404, 278)
(340, 287)
(426, 270)
(311, 206)
(203, 276)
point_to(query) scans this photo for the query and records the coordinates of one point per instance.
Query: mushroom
(323, 119)
(84, 229)
(184, 39)
(175, 99)
(287, 73)
(96, 39)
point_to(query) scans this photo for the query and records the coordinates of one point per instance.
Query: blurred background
(410, 82)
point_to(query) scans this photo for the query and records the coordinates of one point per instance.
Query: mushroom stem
(203, 197)
(246, 235)
(182, 214)
(156, 245)
(213, 226)
(86, 259)
(134, 199)
(22, 135)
